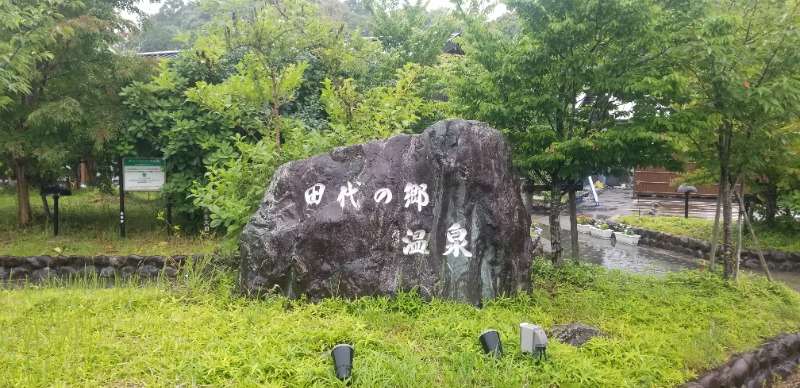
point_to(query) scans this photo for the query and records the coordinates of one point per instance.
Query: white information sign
(143, 174)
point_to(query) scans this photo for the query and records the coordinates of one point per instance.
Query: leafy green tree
(777, 172)
(164, 124)
(409, 32)
(239, 172)
(64, 93)
(271, 43)
(743, 76)
(26, 30)
(578, 90)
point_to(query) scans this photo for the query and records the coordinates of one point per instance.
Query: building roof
(160, 54)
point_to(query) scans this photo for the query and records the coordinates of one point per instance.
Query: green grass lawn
(196, 332)
(89, 225)
(781, 239)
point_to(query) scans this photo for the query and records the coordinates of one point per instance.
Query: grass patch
(781, 239)
(196, 332)
(89, 225)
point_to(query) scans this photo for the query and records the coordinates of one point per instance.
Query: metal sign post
(121, 198)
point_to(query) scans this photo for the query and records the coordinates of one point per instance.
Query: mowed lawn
(89, 225)
(196, 331)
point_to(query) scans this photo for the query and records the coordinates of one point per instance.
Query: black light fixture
(686, 190)
(55, 192)
(342, 355)
(490, 341)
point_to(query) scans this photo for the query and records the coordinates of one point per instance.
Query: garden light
(490, 341)
(686, 190)
(342, 355)
(533, 340)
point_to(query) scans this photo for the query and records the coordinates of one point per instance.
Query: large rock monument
(440, 211)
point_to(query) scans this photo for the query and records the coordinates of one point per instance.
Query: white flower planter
(601, 233)
(536, 233)
(627, 239)
(584, 228)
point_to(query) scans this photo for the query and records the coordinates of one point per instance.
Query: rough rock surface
(452, 189)
(576, 334)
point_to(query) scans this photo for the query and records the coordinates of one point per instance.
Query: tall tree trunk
(771, 202)
(725, 189)
(573, 224)
(740, 225)
(712, 256)
(46, 207)
(555, 222)
(761, 258)
(23, 201)
(727, 221)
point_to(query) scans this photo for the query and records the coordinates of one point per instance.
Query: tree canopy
(578, 90)
(62, 101)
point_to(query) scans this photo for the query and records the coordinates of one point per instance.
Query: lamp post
(55, 192)
(686, 190)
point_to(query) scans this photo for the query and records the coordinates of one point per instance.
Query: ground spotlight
(490, 341)
(342, 355)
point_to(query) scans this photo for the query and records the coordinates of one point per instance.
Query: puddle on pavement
(640, 259)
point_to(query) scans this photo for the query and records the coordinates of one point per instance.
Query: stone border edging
(776, 260)
(778, 357)
(42, 267)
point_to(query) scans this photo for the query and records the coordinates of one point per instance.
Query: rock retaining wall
(38, 268)
(776, 260)
(773, 361)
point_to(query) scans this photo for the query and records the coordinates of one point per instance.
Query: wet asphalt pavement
(637, 259)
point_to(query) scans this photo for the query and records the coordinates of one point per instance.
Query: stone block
(19, 273)
(11, 261)
(740, 370)
(709, 380)
(147, 271)
(794, 257)
(439, 212)
(135, 260)
(38, 262)
(60, 260)
(42, 274)
(786, 267)
(761, 379)
(171, 272)
(107, 272)
(157, 261)
(177, 260)
(763, 358)
(785, 369)
(726, 378)
(87, 270)
(752, 264)
(776, 256)
(79, 261)
(67, 271)
(100, 261)
(117, 261)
